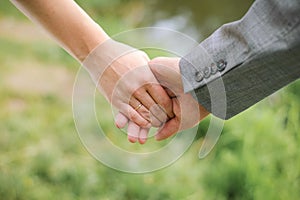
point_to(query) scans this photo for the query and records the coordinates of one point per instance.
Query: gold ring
(138, 107)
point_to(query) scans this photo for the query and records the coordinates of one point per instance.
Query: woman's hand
(123, 76)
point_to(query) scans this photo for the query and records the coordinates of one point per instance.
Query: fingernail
(117, 125)
(157, 137)
(142, 140)
(132, 139)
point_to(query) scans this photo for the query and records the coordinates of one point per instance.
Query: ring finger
(145, 98)
(144, 112)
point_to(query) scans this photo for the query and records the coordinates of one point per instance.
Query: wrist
(102, 56)
(90, 39)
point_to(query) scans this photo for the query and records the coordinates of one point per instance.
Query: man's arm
(253, 58)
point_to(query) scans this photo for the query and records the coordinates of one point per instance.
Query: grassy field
(41, 155)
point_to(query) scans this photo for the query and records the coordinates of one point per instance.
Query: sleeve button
(199, 76)
(221, 65)
(213, 68)
(207, 72)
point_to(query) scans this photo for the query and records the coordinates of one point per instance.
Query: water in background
(195, 18)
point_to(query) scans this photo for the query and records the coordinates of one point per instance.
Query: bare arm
(67, 23)
(137, 93)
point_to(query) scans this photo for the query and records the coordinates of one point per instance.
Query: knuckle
(143, 123)
(161, 116)
(145, 113)
(137, 93)
(155, 60)
(134, 117)
(155, 111)
(166, 104)
(138, 120)
(156, 123)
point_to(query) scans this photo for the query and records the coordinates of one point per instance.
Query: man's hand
(188, 112)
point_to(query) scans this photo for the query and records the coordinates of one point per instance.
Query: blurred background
(41, 156)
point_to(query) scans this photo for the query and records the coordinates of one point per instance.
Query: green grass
(37, 50)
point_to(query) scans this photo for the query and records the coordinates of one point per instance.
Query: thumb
(166, 70)
(169, 129)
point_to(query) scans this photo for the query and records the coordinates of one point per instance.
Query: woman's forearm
(67, 23)
(124, 80)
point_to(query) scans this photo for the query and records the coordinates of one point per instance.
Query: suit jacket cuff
(255, 56)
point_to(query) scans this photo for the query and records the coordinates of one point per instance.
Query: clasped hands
(146, 93)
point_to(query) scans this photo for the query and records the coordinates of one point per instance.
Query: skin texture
(128, 83)
(166, 71)
(78, 34)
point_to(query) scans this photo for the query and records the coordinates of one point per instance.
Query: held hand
(125, 79)
(186, 109)
(188, 112)
(134, 132)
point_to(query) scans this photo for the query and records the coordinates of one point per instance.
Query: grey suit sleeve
(246, 60)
